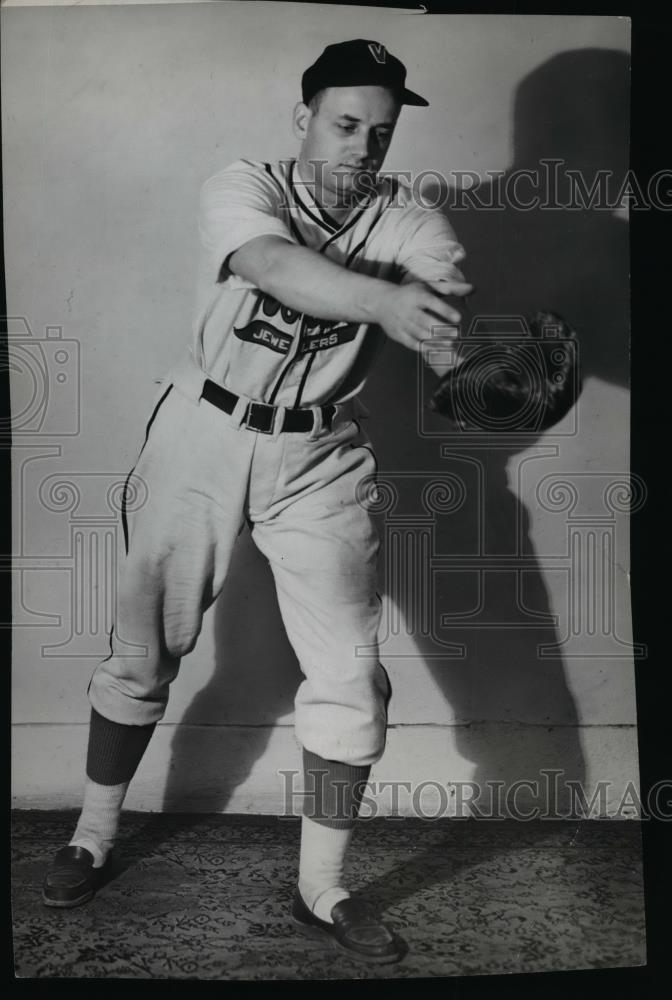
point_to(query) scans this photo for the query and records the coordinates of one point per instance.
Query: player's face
(346, 139)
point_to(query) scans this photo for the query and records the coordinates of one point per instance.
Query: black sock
(115, 750)
(333, 790)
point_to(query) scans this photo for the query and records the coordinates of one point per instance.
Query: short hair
(522, 385)
(316, 100)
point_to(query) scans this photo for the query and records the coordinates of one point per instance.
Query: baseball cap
(358, 63)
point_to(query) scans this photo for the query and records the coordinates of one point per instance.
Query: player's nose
(363, 148)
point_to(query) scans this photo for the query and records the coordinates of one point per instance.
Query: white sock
(321, 866)
(99, 819)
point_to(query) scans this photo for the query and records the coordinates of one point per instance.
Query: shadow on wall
(574, 108)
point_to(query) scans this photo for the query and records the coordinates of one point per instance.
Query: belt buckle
(260, 417)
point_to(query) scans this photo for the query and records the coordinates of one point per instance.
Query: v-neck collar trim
(318, 214)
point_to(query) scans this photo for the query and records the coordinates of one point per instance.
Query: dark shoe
(72, 879)
(356, 930)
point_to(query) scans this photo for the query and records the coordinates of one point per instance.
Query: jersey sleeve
(237, 205)
(429, 250)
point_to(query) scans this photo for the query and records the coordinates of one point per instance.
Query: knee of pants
(360, 746)
(159, 618)
(132, 690)
(344, 721)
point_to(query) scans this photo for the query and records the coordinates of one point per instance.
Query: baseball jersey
(255, 345)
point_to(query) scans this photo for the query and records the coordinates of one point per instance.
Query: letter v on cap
(378, 51)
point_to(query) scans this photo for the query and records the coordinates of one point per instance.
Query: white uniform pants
(205, 474)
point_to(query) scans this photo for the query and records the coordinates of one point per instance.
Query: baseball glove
(504, 384)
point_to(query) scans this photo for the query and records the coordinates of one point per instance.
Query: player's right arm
(241, 227)
(305, 280)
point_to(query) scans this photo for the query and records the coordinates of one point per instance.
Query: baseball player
(308, 265)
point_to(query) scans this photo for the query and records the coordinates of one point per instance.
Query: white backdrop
(112, 118)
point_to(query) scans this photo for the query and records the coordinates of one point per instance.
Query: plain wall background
(112, 119)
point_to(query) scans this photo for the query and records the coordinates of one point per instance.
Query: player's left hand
(414, 312)
(441, 351)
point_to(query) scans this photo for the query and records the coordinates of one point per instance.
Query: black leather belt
(261, 416)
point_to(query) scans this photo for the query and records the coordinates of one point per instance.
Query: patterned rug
(208, 897)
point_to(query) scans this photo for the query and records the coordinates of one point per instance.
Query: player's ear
(302, 116)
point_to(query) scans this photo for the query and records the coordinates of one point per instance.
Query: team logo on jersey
(316, 334)
(259, 332)
(324, 338)
(378, 51)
